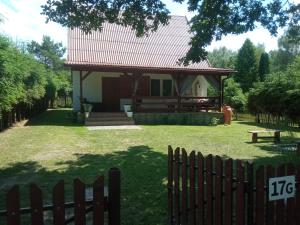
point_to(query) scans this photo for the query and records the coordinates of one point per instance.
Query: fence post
(114, 188)
(36, 203)
(1, 121)
(58, 204)
(170, 184)
(13, 206)
(298, 148)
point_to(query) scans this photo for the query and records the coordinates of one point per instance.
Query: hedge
(198, 118)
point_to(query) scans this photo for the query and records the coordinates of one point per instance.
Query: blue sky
(23, 22)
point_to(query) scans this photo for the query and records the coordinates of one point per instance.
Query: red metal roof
(118, 46)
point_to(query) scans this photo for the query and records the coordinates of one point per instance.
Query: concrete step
(113, 114)
(108, 123)
(123, 118)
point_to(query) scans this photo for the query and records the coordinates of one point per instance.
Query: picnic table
(255, 137)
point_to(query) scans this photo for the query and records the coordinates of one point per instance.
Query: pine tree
(264, 66)
(246, 66)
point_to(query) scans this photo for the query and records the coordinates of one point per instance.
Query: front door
(111, 94)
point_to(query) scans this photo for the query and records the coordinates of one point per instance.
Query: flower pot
(127, 108)
(129, 114)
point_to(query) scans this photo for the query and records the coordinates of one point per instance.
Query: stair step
(117, 114)
(123, 118)
(109, 123)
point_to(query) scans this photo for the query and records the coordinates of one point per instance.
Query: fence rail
(98, 204)
(214, 191)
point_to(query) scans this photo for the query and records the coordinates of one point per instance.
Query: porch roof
(116, 48)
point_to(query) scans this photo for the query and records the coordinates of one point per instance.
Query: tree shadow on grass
(53, 117)
(143, 174)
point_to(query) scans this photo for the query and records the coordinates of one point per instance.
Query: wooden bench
(255, 133)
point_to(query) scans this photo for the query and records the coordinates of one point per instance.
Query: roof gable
(117, 45)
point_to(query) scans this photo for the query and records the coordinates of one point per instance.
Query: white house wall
(92, 86)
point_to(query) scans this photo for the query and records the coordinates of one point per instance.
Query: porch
(147, 92)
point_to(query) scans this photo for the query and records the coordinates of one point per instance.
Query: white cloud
(234, 42)
(258, 36)
(23, 21)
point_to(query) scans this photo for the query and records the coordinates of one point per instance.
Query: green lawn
(50, 147)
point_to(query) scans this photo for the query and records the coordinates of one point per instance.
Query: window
(161, 87)
(155, 87)
(167, 88)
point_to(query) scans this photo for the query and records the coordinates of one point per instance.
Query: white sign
(281, 188)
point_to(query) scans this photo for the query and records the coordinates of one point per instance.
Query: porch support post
(221, 93)
(177, 79)
(136, 80)
(81, 91)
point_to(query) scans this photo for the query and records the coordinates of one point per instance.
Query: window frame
(161, 86)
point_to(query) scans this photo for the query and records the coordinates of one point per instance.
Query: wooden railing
(175, 104)
(97, 204)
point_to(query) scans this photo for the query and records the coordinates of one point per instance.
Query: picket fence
(214, 191)
(98, 205)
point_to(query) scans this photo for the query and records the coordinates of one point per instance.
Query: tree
(48, 52)
(51, 55)
(279, 94)
(234, 96)
(259, 49)
(222, 58)
(213, 18)
(289, 48)
(246, 66)
(264, 66)
(22, 78)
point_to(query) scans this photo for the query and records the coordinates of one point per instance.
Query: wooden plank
(184, 188)
(176, 188)
(200, 193)
(170, 185)
(192, 216)
(298, 196)
(240, 197)
(36, 204)
(79, 201)
(58, 204)
(250, 186)
(218, 190)
(13, 206)
(209, 190)
(270, 210)
(98, 201)
(114, 197)
(259, 209)
(291, 214)
(280, 208)
(228, 192)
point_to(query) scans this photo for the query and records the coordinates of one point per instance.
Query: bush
(278, 95)
(199, 118)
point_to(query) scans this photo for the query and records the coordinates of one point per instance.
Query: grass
(50, 147)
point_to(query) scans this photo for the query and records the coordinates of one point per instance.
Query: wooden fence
(98, 204)
(20, 112)
(214, 191)
(276, 120)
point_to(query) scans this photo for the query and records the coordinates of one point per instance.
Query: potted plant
(87, 108)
